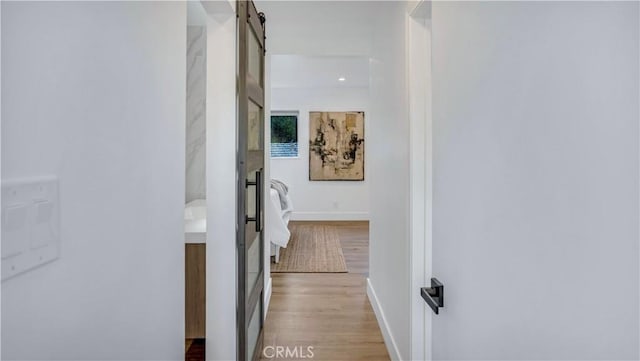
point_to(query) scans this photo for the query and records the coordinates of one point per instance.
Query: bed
(278, 226)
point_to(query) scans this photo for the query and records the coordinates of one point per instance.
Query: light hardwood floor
(328, 311)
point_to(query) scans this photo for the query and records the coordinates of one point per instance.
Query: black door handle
(258, 214)
(434, 295)
(259, 187)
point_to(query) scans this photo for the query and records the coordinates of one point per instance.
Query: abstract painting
(336, 146)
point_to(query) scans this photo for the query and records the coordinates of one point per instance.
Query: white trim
(420, 179)
(389, 341)
(267, 297)
(330, 216)
(1, 175)
(288, 158)
(268, 214)
(291, 113)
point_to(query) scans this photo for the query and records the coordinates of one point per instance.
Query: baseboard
(392, 347)
(267, 296)
(330, 216)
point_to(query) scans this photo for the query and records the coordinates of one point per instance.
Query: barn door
(250, 170)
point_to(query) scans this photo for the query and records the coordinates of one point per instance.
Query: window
(284, 134)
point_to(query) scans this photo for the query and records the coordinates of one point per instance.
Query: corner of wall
(389, 340)
(221, 187)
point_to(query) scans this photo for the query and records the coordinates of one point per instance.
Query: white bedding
(278, 232)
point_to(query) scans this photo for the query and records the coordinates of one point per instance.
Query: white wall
(389, 149)
(318, 27)
(321, 200)
(536, 179)
(345, 39)
(95, 94)
(0, 168)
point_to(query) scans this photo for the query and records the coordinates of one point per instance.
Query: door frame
(221, 180)
(418, 28)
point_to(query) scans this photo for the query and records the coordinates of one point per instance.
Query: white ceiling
(302, 71)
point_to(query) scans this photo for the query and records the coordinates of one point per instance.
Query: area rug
(311, 249)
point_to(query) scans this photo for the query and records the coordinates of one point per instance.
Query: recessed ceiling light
(342, 78)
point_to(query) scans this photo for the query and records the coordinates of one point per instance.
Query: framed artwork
(336, 146)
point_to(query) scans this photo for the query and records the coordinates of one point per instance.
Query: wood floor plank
(327, 311)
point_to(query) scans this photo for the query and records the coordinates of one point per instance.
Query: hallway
(328, 311)
(483, 156)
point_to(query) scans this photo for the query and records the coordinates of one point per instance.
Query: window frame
(286, 113)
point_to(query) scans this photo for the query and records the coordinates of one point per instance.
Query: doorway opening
(195, 211)
(318, 107)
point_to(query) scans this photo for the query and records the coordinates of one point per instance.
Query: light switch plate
(15, 233)
(30, 224)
